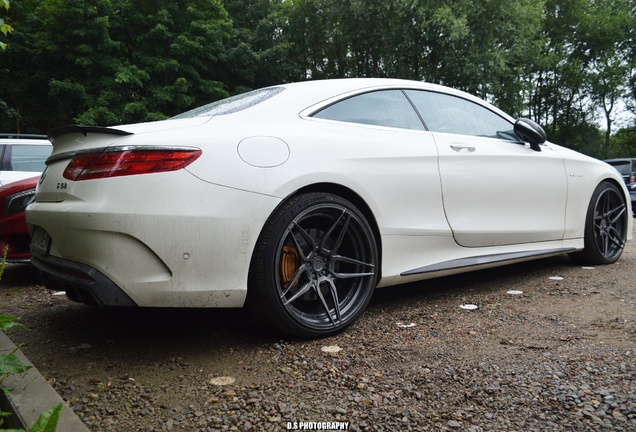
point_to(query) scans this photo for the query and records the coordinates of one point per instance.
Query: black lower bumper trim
(81, 282)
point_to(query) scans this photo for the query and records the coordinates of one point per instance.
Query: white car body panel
(162, 260)
(583, 174)
(193, 246)
(7, 177)
(483, 209)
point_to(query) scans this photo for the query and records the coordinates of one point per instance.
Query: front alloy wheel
(315, 266)
(605, 226)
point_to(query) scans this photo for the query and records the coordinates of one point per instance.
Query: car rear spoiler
(84, 130)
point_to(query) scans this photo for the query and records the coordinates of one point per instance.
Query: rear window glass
(232, 104)
(623, 167)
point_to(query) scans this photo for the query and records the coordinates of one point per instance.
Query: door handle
(463, 149)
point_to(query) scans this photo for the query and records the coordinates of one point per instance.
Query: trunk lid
(69, 141)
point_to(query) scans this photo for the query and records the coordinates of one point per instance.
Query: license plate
(40, 241)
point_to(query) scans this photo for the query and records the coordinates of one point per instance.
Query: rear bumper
(81, 282)
(182, 244)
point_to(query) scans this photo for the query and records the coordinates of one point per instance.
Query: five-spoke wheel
(315, 266)
(605, 226)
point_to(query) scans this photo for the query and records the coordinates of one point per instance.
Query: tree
(259, 52)
(561, 97)
(167, 59)
(560, 62)
(631, 55)
(22, 75)
(623, 143)
(118, 61)
(500, 47)
(5, 28)
(605, 44)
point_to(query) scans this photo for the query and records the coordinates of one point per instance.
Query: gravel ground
(560, 356)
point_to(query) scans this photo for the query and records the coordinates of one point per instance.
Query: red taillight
(127, 161)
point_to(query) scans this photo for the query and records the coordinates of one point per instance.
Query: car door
(496, 190)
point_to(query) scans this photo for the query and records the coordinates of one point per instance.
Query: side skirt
(482, 260)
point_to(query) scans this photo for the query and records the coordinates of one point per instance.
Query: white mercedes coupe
(298, 200)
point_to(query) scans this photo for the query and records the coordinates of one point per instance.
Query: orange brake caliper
(288, 264)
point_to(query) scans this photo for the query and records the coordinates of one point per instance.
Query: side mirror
(530, 132)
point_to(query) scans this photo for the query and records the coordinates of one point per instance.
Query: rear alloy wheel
(315, 266)
(605, 226)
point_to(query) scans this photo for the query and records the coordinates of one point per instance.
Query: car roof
(309, 96)
(23, 139)
(319, 89)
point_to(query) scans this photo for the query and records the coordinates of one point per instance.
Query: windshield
(232, 104)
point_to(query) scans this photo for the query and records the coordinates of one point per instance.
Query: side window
(379, 108)
(29, 157)
(452, 114)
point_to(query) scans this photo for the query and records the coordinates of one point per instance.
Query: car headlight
(16, 203)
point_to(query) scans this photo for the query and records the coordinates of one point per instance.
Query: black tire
(605, 226)
(314, 268)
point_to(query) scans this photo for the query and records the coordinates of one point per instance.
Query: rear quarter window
(389, 108)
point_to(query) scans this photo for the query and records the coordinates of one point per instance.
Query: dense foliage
(568, 64)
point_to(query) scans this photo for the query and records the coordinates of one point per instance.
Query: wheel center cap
(318, 264)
